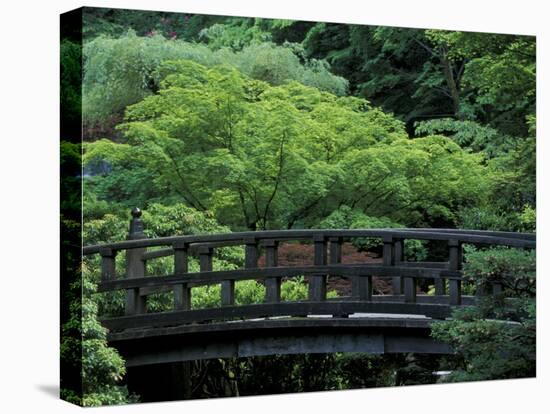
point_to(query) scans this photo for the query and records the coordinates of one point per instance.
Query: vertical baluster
(439, 286)
(335, 247)
(182, 292)
(388, 259)
(363, 288)
(205, 258)
(455, 264)
(108, 269)
(409, 284)
(250, 253)
(318, 282)
(272, 284)
(405, 285)
(135, 266)
(335, 257)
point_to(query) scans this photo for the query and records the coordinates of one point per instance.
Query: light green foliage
(294, 289)
(259, 156)
(121, 71)
(250, 292)
(528, 219)
(278, 65)
(418, 181)
(234, 34)
(245, 150)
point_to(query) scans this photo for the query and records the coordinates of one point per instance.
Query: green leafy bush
(492, 341)
(513, 268)
(84, 341)
(122, 71)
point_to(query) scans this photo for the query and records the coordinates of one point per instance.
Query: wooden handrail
(213, 277)
(327, 261)
(308, 235)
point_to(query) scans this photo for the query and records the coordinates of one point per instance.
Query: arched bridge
(361, 322)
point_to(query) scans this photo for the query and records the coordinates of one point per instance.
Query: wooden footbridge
(362, 322)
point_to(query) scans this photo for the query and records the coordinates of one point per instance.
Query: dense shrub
(122, 71)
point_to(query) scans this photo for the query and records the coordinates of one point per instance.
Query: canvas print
(257, 206)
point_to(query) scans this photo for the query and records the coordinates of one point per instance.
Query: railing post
(388, 259)
(135, 266)
(318, 282)
(439, 286)
(250, 253)
(335, 248)
(407, 284)
(272, 284)
(362, 289)
(108, 269)
(205, 258)
(455, 264)
(335, 257)
(182, 292)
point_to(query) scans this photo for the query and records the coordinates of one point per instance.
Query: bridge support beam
(287, 341)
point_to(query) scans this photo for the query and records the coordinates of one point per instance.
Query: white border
(29, 203)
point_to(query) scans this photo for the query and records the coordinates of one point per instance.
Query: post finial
(136, 212)
(136, 226)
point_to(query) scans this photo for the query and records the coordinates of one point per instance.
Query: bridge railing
(327, 261)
